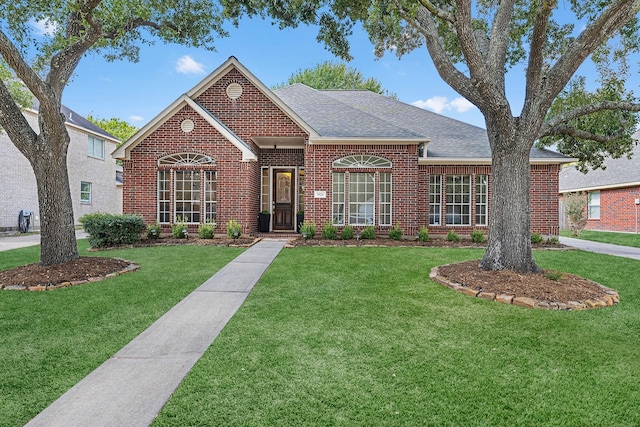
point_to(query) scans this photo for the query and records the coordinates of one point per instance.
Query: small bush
(477, 236)
(553, 275)
(207, 230)
(423, 234)
(368, 232)
(112, 230)
(308, 229)
(180, 229)
(396, 232)
(536, 238)
(553, 241)
(153, 230)
(329, 232)
(575, 208)
(234, 229)
(452, 236)
(347, 232)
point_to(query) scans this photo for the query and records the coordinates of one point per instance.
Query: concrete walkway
(130, 388)
(602, 248)
(24, 240)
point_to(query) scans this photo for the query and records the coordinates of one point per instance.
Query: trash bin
(24, 221)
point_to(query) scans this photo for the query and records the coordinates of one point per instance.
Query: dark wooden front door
(283, 183)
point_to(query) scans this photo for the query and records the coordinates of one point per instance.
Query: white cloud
(44, 27)
(135, 118)
(461, 105)
(187, 65)
(438, 104)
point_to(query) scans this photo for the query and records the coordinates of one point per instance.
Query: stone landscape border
(609, 298)
(128, 269)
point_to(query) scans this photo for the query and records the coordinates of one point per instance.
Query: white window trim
(91, 143)
(86, 201)
(591, 205)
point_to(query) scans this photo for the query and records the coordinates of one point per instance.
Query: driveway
(24, 240)
(602, 248)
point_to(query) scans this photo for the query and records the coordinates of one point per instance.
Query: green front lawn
(362, 337)
(51, 340)
(623, 239)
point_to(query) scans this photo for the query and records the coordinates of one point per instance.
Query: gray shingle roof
(78, 120)
(358, 113)
(618, 172)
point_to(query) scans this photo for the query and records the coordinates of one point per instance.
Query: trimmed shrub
(179, 230)
(153, 231)
(308, 228)
(423, 234)
(477, 236)
(347, 232)
(234, 229)
(368, 232)
(396, 232)
(112, 230)
(207, 230)
(329, 232)
(452, 236)
(536, 238)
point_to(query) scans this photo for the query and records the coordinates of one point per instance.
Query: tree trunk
(509, 241)
(57, 235)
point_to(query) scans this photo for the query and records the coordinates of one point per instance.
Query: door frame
(295, 171)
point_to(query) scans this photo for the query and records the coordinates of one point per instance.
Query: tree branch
(424, 23)
(598, 32)
(14, 123)
(536, 51)
(499, 39)
(550, 126)
(24, 72)
(437, 12)
(567, 130)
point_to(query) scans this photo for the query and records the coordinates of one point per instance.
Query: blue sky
(137, 92)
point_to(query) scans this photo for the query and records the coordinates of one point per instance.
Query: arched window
(363, 161)
(193, 159)
(187, 188)
(366, 196)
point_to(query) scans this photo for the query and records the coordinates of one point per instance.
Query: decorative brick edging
(128, 269)
(609, 298)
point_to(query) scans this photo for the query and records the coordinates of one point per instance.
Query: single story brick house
(92, 173)
(231, 148)
(613, 194)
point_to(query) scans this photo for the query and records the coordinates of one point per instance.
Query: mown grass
(51, 340)
(622, 239)
(362, 337)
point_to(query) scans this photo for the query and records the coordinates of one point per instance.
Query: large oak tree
(473, 44)
(45, 63)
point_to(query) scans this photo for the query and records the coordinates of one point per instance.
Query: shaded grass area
(622, 239)
(51, 340)
(362, 337)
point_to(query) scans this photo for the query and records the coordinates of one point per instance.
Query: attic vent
(187, 125)
(234, 91)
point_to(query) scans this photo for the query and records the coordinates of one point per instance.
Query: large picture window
(458, 200)
(187, 189)
(356, 192)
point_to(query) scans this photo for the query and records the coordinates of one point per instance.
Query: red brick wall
(544, 199)
(617, 211)
(238, 182)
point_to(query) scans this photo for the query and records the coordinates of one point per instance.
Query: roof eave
(324, 140)
(601, 187)
(487, 161)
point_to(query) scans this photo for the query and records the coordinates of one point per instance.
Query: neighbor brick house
(613, 193)
(231, 148)
(91, 169)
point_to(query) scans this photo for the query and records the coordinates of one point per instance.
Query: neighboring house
(92, 173)
(613, 194)
(231, 148)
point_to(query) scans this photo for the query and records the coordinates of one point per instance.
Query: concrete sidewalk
(602, 248)
(24, 240)
(130, 388)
